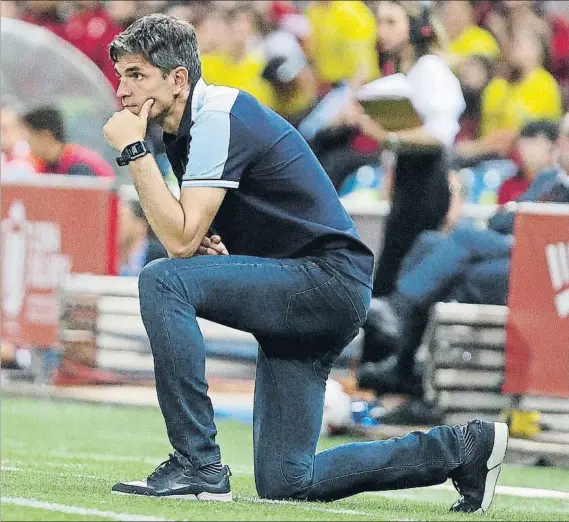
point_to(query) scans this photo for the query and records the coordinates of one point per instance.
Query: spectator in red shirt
(15, 156)
(46, 136)
(535, 148)
(45, 13)
(91, 29)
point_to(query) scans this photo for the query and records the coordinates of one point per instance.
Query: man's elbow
(178, 249)
(181, 252)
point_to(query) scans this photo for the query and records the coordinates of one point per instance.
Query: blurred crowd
(511, 57)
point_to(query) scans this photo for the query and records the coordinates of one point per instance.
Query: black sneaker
(476, 478)
(178, 478)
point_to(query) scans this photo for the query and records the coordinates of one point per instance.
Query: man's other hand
(212, 246)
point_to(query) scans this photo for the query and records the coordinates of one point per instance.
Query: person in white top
(410, 35)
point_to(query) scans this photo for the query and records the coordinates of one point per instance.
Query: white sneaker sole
(212, 497)
(494, 464)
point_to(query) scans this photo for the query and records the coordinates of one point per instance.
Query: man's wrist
(392, 140)
(132, 152)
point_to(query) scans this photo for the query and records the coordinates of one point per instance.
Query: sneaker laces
(172, 462)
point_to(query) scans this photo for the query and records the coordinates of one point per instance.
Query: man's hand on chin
(125, 127)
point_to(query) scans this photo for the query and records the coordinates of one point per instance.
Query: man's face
(392, 26)
(536, 153)
(11, 129)
(473, 74)
(525, 47)
(40, 141)
(140, 81)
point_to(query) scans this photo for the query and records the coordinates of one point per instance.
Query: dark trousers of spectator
(420, 202)
(303, 312)
(468, 265)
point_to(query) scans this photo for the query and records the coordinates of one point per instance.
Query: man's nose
(122, 90)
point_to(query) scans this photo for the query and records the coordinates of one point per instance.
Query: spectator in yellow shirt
(466, 38)
(531, 94)
(534, 95)
(343, 38)
(234, 63)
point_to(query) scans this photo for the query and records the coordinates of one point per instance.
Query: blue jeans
(303, 312)
(467, 264)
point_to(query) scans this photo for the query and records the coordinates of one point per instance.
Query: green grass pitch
(60, 459)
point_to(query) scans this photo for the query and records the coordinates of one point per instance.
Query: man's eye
(137, 76)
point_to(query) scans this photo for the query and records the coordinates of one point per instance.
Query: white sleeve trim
(209, 150)
(210, 183)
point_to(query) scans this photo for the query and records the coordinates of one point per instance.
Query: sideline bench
(463, 356)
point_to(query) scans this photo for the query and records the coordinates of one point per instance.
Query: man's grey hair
(163, 41)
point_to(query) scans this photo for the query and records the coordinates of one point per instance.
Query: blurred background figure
(16, 159)
(45, 13)
(463, 263)
(238, 60)
(92, 27)
(138, 245)
(49, 147)
(529, 93)
(535, 148)
(328, 123)
(420, 195)
(466, 39)
(342, 39)
(475, 72)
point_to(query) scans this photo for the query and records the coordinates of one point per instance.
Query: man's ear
(181, 79)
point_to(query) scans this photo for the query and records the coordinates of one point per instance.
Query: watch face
(137, 148)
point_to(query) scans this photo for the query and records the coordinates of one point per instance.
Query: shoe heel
(494, 464)
(500, 445)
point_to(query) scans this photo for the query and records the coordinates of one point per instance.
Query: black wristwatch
(133, 151)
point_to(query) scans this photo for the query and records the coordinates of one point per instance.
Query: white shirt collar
(198, 97)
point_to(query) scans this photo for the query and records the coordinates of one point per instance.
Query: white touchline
(512, 491)
(307, 507)
(74, 510)
(515, 491)
(45, 472)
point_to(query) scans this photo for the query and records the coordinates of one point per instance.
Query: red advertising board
(51, 226)
(537, 333)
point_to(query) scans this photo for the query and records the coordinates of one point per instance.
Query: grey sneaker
(476, 478)
(178, 478)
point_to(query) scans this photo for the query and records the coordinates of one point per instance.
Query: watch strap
(133, 151)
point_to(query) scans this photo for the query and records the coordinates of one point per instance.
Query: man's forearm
(418, 136)
(163, 211)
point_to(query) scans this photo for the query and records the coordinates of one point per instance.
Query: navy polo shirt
(280, 202)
